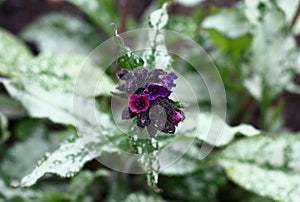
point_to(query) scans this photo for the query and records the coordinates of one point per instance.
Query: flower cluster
(148, 94)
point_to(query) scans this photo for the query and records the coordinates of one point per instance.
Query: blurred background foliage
(255, 46)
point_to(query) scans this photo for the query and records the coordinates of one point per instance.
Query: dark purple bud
(168, 80)
(127, 114)
(154, 91)
(122, 73)
(138, 103)
(169, 128)
(176, 116)
(143, 119)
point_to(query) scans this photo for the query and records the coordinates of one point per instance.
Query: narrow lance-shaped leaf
(268, 166)
(72, 154)
(65, 162)
(40, 103)
(58, 107)
(61, 72)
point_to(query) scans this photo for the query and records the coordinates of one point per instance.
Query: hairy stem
(295, 18)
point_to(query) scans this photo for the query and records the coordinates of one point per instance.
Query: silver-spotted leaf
(268, 166)
(12, 52)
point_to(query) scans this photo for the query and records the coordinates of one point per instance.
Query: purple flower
(138, 103)
(176, 117)
(148, 94)
(154, 90)
(139, 78)
(168, 80)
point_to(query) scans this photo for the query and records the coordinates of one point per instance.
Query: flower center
(138, 103)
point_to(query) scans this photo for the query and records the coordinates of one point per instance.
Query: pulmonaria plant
(148, 94)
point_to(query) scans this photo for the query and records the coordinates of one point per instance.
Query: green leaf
(234, 47)
(190, 160)
(268, 166)
(102, 13)
(189, 3)
(12, 52)
(7, 194)
(142, 197)
(129, 59)
(82, 182)
(159, 18)
(199, 88)
(4, 134)
(58, 107)
(55, 105)
(188, 163)
(264, 66)
(202, 185)
(38, 137)
(10, 107)
(41, 103)
(61, 33)
(224, 134)
(67, 160)
(54, 72)
(182, 24)
(230, 22)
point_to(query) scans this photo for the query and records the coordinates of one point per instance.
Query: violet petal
(156, 90)
(168, 80)
(121, 73)
(138, 103)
